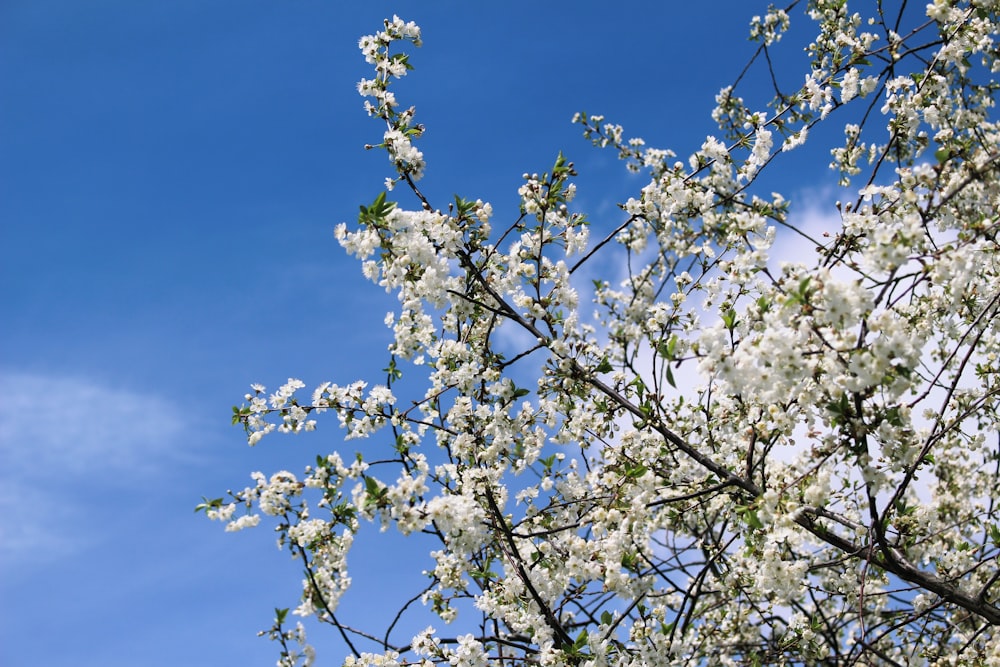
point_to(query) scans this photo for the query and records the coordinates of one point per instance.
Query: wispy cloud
(60, 439)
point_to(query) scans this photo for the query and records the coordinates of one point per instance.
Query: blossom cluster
(768, 444)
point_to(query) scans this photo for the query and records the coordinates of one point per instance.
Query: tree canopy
(708, 453)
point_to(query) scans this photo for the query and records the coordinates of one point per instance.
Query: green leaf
(373, 214)
(630, 561)
(208, 504)
(604, 366)
(240, 413)
(635, 471)
(392, 371)
(668, 349)
(942, 155)
(893, 416)
(606, 618)
(749, 515)
(804, 290)
(841, 410)
(463, 206)
(729, 319)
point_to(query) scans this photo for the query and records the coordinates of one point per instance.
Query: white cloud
(60, 439)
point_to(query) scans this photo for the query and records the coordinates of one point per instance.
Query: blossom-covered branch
(748, 454)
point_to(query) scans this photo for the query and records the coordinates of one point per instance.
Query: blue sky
(170, 176)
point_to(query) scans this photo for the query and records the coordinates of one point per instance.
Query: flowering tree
(736, 460)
